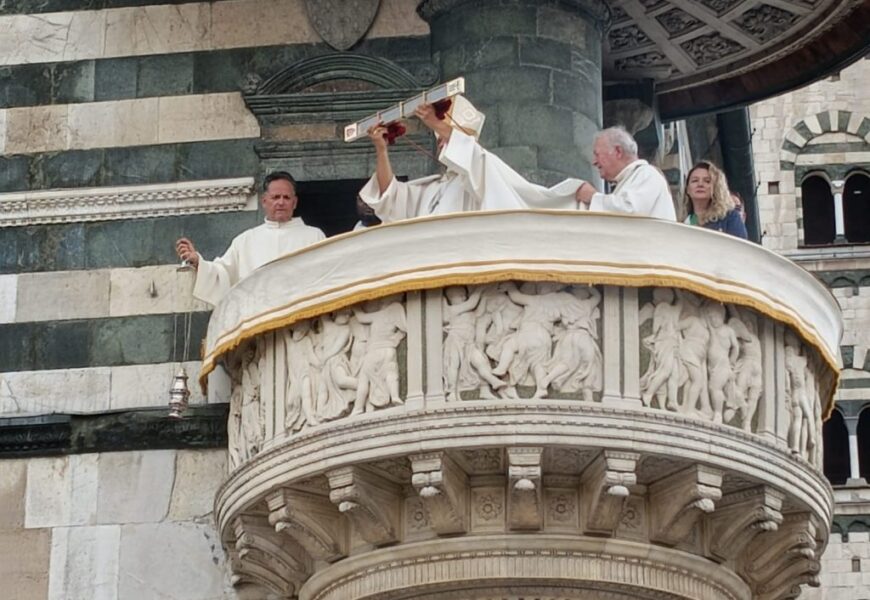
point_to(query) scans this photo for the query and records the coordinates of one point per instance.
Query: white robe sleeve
(400, 200)
(637, 196)
(215, 278)
(495, 185)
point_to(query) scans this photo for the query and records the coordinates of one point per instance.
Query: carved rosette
(556, 436)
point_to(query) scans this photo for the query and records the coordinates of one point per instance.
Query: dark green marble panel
(14, 173)
(74, 168)
(127, 166)
(72, 82)
(165, 75)
(115, 79)
(563, 160)
(464, 58)
(520, 84)
(211, 160)
(42, 248)
(864, 127)
(536, 125)
(545, 53)
(843, 117)
(111, 244)
(145, 339)
(140, 165)
(835, 147)
(24, 85)
(483, 22)
(579, 92)
(848, 355)
(824, 120)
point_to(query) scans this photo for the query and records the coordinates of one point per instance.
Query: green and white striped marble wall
(137, 101)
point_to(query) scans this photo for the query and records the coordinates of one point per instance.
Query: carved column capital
(443, 489)
(604, 489)
(525, 508)
(679, 500)
(370, 501)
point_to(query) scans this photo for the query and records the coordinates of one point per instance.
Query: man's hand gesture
(377, 134)
(186, 251)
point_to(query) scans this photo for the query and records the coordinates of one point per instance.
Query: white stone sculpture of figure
(810, 441)
(252, 422)
(464, 362)
(497, 317)
(662, 377)
(235, 434)
(378, 384)
(801, 431)
(722, 353)
(693, 356)
(336, 388)
(526, 352)
(749, 376)
(359, 335)
(576, 362)
(303, 366)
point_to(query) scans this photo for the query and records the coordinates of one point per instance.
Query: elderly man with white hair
(641, 189)
(475, 178)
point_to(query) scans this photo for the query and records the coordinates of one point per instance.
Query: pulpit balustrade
(493, 405)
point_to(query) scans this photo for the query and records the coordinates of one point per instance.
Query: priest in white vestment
(640, 189)
(475, 178)
(280, 234)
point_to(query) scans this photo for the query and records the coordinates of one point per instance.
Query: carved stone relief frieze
(543, 336)
(704, 359)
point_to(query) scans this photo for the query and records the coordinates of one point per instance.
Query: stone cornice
(126, 202)
(392, 433)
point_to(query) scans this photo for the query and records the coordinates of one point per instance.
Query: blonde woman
(708, 203)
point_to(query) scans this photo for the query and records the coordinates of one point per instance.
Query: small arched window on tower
(856, 208)
(836, 445)
(817, 202)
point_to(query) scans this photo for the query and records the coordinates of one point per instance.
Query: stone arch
(797, 139)
(307, 73)
(813, 126)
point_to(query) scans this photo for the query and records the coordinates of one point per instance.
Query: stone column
(854, 464)
(534, 68)
(839, 222)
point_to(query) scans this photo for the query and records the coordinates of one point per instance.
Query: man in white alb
(640, 189)
(475, 179)
(280, 234)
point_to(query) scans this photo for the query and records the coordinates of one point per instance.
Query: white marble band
(90, 390)
(172, 28)
(125, 123)
(97, 294)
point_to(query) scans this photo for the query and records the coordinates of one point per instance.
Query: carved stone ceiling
(685, 44)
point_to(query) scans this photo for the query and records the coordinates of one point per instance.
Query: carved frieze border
(124, 202)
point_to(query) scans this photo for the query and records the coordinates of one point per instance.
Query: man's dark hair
(275, 176)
